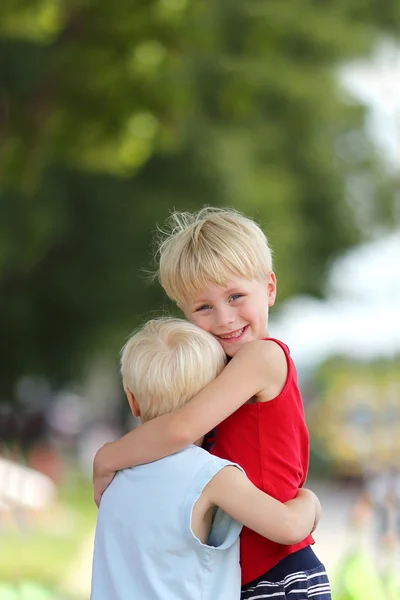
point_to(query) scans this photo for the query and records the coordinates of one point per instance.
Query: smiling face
(234, 313)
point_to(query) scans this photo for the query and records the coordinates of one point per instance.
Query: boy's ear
(135, 408)
(271, 286)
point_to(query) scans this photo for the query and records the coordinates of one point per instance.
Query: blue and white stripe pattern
(313, 584)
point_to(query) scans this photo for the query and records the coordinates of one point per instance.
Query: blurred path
(333, 533)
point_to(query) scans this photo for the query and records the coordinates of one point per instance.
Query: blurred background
(112, 115)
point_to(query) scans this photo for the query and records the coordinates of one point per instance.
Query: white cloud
(362, 316)
(376, 82)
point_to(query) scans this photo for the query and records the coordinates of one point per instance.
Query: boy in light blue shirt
(169, 530)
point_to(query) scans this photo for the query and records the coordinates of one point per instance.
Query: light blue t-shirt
(145, 548)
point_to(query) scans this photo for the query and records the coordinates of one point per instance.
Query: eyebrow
(200, 302)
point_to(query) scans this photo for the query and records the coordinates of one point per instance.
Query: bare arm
(287, 523)
(259, 366)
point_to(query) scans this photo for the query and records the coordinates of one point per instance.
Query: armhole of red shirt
(289, 366)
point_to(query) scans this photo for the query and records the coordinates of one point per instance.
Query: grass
(42, 548)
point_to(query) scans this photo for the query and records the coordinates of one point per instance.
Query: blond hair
(167, 362)
(210, 246)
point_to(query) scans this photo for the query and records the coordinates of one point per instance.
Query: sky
(361, 315)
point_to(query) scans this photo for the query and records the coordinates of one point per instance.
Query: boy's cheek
(198, 321)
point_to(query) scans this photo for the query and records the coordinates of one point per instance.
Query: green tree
(112, 114)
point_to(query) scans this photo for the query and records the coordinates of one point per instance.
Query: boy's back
(145, 547)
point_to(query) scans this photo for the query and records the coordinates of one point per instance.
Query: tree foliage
(114, 113)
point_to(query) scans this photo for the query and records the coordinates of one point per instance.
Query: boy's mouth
(233, 335)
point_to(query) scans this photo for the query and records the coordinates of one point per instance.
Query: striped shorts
(302, 585)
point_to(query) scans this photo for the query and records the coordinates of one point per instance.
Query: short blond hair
(210, 246)
(167, 362)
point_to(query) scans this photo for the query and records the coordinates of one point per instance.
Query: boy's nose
(225, 317)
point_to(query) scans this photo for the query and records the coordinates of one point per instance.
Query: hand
(101, 476)
(317, 505)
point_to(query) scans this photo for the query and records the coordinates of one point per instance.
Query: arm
(259, 366)
(287, 523)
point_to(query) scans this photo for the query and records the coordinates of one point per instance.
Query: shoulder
(193, 461)
(203, 466)
(267, 358)
(264, 350)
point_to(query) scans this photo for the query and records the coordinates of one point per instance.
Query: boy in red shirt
(217, 266)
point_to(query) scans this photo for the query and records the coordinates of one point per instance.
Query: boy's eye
(236, 296)
(203, 307)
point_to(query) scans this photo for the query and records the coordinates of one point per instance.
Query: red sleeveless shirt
(270, 441)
